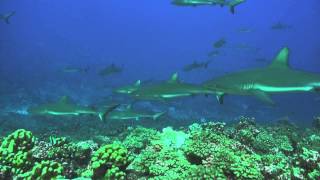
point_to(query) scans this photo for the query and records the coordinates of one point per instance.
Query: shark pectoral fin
(220, 97)
(103, 115)
(157, 115)
(232, 9)
(264, 97)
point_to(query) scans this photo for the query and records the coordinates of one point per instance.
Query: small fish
(213, 53)
(111, 69)
(6, 17)
(280, 26)
(220, 43)
(196, 65)
(75, 70)
(244, 30)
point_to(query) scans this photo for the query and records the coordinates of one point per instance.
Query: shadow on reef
(213, 150)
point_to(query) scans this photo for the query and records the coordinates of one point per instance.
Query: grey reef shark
(64, 107)
(278, 77)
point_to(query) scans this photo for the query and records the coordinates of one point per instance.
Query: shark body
(64, 108)
(232, 4)
(129, 114)
(278, 77)
(75, 70)
(170, 89)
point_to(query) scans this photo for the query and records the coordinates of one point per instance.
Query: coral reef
(109, 161)
(213, 150)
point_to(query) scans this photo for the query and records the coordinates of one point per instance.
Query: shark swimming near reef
(64, 107)
(278, 77)
(6, 17)
(173, 88)
(128, 113)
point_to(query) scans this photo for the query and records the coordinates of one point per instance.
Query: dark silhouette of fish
(196, 65)
(111, 69)
(220, 43)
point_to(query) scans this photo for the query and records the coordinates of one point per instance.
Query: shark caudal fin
(7, 17)
(158, 115)
(233, 4)
(103, 115)
(206, 64)
(281, 60)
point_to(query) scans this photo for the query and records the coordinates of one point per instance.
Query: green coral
(226, 156)
(110, 160)
(164, 164)
(20, 140)
(61, 149)
(276, 166)
(44, 170)
(139, 138)
(15, 151)
(170, 138)
(266, 142)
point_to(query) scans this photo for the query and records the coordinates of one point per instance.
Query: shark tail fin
(158, 115)
(7, 17)
(233, 5)
(103, 115)
(86, 70)
(207, 64)
(232, 9)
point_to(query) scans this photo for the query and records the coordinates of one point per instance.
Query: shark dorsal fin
(64, 100)
(137, 83)
(174, 78)
(281, 60)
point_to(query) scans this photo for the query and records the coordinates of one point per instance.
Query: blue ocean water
(150, 40)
